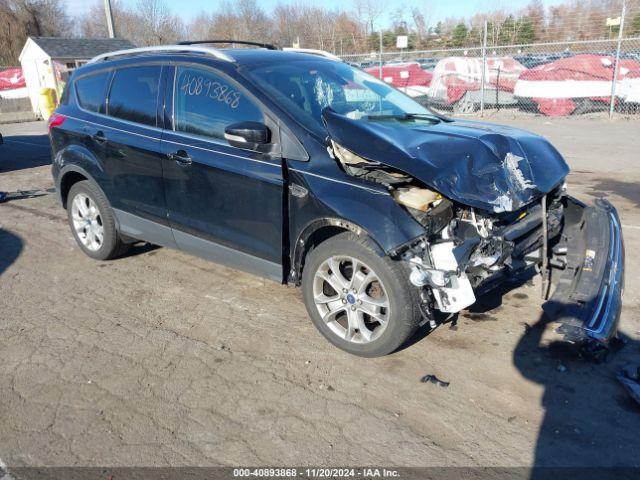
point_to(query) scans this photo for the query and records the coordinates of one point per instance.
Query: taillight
(56, 120)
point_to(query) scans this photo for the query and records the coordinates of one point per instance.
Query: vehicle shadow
(139, 248)
(589, 420)
(605, 187)
(10, 249)
(478, 311)
(19, 152)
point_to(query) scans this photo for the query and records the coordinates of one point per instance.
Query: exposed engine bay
(464, 249)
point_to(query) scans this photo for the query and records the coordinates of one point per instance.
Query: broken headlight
(428, 207)
(347, 157)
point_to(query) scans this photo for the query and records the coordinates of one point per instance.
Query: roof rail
(268, 46)
(320, 53)
(163, 48)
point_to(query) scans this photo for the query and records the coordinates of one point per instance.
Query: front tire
(92, 222)
(359, 299)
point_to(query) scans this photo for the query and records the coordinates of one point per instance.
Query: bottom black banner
(214, 473)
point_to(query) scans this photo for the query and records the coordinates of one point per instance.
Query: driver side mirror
(247, 135)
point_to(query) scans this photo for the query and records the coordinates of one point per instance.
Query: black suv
(306, 170)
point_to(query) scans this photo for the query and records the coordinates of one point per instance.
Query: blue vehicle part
(588, 297)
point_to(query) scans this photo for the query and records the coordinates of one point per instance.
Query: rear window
(134, 94)
(91, 91)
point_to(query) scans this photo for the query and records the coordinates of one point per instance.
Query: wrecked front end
(493, 204)
(578, 250)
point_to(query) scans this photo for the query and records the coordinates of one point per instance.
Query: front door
(224, 203)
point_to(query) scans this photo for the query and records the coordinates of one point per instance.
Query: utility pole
(616, 65)
(109, 14)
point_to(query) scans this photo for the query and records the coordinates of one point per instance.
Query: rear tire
(370, 315)
(92, 222)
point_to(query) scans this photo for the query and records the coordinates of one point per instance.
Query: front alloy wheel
(357, 297)
(351, 299)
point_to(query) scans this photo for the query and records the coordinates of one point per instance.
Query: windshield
(305, 88)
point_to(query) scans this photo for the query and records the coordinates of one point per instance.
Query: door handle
(99, 137)
(181, 158)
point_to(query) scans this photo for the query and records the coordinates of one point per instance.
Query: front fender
(354, 205)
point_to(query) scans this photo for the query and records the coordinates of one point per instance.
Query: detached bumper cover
(588, 298)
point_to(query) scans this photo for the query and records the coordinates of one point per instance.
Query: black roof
(253, 56)
(80, 48)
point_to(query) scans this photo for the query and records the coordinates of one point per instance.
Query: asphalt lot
(162, 359)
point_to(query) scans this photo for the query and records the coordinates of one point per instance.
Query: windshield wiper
(404, 116)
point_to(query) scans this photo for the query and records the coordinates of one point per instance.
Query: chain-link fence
(554, 79)
(599, 77)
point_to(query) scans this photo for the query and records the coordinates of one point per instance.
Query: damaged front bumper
(588, 297)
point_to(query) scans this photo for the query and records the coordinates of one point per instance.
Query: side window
(91, 91)
(134, 94)
(205, 103)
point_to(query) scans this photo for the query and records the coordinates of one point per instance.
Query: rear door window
(134, 94)
(91, 91)
(205, 103)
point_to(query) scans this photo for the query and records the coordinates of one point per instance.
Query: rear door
(90, 93)
(224, 203)
(131, 136)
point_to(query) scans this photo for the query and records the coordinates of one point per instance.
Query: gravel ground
(162, 359)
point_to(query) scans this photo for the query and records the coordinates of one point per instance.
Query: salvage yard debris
(21, 195)
(433, 379)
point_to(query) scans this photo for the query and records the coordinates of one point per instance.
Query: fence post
(380, 57)
(484, 68)
(616, 65)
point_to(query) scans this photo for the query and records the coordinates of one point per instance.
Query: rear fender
(78, 159)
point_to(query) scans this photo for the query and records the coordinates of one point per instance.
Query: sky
(432, 9)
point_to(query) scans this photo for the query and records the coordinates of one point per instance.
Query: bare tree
(22, 18)
(157, 24)
(93, 23)
(199, 28)
(368, 12)
(315, 26)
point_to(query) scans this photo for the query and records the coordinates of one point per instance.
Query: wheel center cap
(351, 299)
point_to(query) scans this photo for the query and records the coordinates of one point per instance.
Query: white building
(47, 61)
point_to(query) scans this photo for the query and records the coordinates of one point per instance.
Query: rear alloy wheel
(92, 222)
(87, 222)
(358, 298)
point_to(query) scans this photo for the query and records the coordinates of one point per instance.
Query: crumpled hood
(486, 166)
